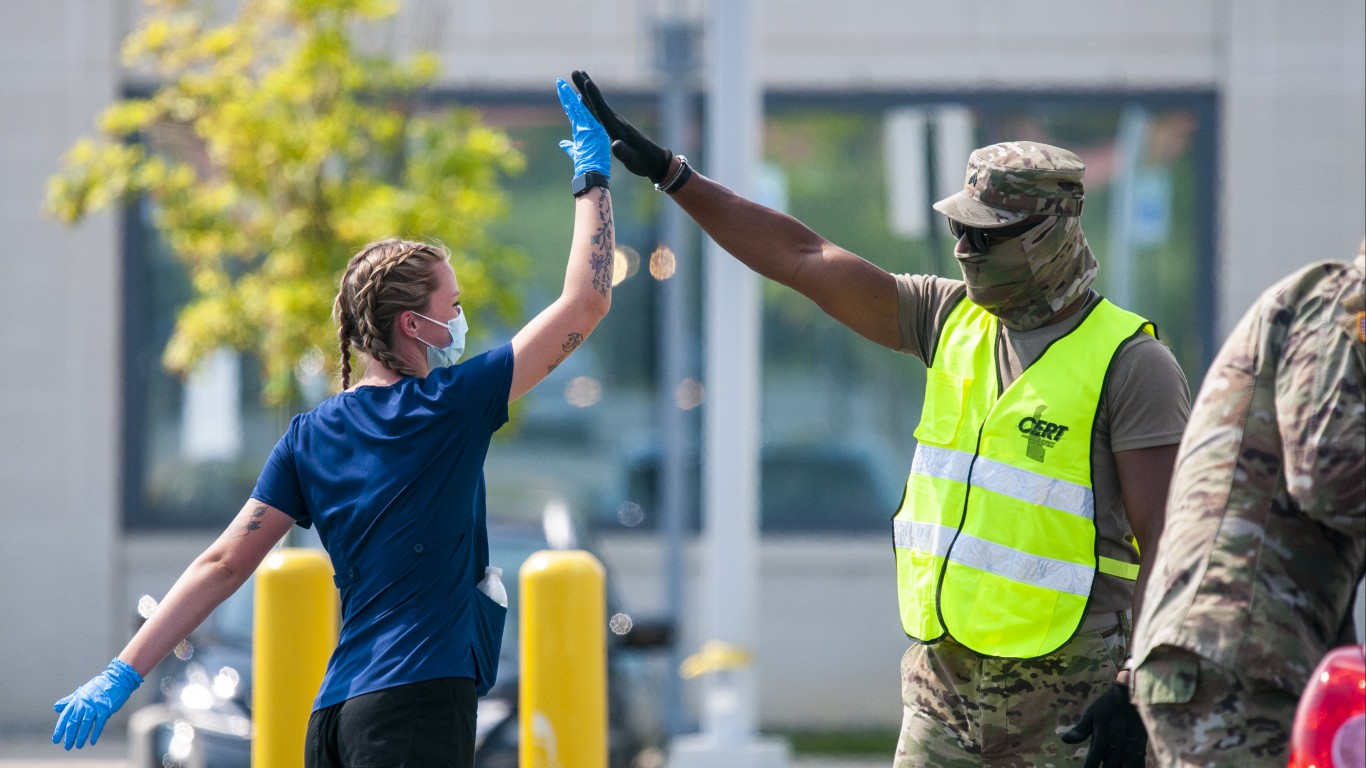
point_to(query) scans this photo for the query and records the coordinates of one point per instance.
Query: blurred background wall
(1224, 143)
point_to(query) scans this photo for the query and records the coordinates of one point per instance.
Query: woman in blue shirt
(390, 471)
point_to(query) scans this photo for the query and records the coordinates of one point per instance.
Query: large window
(838, 411)
(192, 446)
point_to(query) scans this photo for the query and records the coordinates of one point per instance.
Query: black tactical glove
(635, 151)
(1118, 739)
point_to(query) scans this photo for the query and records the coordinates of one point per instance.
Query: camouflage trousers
(1200, 714)
(962, 710)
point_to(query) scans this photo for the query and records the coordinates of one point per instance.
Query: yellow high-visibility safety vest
(996, 538)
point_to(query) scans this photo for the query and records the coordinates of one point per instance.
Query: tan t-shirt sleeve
(923, 302)
(1147, 399)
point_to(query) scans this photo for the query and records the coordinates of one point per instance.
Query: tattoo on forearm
(604, 244)
(570, 344)
(258, 516)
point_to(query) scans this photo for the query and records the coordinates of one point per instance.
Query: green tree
(272, 150)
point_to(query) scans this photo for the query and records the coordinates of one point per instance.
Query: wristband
(586, 181)
(680, 177)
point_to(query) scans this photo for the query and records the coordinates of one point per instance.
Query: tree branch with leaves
(272, 150)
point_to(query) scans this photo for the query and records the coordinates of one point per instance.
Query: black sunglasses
(980, 239)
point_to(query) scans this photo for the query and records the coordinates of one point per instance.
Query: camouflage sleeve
(1319, 383)
(1243, 577)
(923, 301)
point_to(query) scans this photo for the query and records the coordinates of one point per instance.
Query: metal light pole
(731, 422)
(730, 479)
(676, 38)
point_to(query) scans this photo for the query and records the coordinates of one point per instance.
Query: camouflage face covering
(1027, 280)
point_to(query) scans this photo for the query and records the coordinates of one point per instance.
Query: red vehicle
(1330, 722)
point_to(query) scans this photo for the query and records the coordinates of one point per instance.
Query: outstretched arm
(213, 577)
(559, 329)
(209, 580)
(851, 290)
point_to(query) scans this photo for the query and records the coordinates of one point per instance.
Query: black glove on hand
(1118, 739)
(640, 155)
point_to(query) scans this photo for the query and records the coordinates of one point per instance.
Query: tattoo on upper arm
(258, 516)
(603, 256)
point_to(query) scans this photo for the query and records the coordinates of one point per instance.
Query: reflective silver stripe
(922, 537)
(991, 557)
(1012, 564)
(941, 463)
(1033, 488)
(1002, 478)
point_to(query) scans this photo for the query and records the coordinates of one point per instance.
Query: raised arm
(855, 292)
(559, 329)
(850, 289)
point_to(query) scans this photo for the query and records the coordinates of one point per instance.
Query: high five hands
(634, 149)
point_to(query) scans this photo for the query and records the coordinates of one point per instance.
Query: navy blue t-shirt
(393, 478)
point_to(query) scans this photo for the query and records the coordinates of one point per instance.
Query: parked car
(202, 715)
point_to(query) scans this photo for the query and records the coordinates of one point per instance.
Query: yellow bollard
(295, 631)
(563, 698)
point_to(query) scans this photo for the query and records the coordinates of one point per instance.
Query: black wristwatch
(586, 181)
(676, 181)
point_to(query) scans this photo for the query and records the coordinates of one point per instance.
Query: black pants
(411, 726)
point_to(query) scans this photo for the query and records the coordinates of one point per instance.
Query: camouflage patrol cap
(1014, 180)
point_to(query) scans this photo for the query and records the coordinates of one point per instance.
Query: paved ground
(37, 751)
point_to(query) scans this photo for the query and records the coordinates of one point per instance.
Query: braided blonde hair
(384, 279)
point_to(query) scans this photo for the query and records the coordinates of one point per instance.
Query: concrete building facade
(1290, 85)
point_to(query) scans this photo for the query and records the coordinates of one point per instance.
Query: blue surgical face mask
(441, 357)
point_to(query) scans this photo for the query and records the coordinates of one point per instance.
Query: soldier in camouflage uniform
(1026, 262)
(1266, 528)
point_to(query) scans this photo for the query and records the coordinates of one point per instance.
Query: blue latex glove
(85, 712)
(590, 148)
